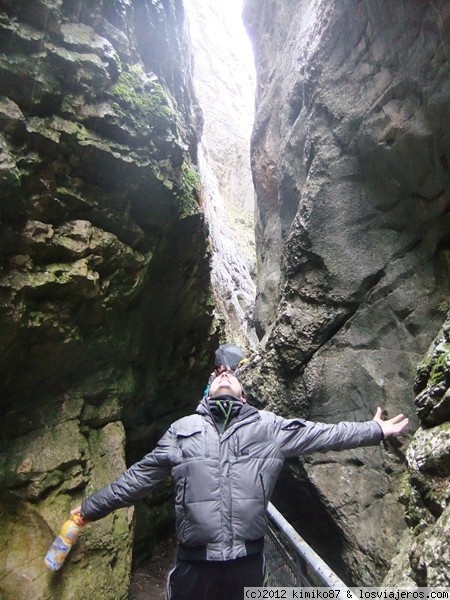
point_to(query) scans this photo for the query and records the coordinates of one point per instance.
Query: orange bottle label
(69, 531)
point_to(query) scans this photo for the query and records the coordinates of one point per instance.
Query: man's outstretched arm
(298, 436)
(136, 483)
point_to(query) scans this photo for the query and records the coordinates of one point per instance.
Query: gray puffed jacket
(223, 482)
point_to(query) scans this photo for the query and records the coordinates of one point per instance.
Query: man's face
(226, 383)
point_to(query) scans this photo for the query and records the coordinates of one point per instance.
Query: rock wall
(423, 558)
(233, 287)
(106, 326)
(350, 153)
(224, 84)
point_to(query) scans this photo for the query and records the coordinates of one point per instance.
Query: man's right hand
(77, 511)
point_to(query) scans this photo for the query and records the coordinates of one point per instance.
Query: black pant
(215, 580)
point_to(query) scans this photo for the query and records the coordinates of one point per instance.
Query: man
(224, 461)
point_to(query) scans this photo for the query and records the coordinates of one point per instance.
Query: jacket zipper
(183, 500)
(263, 488)
(266, 518)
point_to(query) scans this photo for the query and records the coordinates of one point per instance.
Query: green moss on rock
(189, 191)
(439, 369)
(141, 100)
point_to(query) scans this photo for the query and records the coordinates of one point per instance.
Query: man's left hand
(394, 426)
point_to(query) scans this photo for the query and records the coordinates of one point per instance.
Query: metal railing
(291, 562)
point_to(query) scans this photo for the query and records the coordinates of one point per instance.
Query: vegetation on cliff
(105, 300)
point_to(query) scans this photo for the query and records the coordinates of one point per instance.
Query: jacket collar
(247, 413)
(246, 410)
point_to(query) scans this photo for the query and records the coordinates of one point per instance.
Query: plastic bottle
(63, 543)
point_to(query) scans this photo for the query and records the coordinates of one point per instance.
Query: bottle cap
(79, 519)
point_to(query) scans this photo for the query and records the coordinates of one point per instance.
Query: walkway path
(149, 580)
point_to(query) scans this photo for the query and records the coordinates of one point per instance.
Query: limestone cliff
(350, 156)
(423, 559)
(224, 84)
(105, 304)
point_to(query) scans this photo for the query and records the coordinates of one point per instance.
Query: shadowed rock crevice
(309, 516)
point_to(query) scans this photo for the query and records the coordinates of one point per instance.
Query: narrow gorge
(118, 280)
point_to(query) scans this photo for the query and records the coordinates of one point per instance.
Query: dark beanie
(228, 355)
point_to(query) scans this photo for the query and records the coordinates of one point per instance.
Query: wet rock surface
(350, 163)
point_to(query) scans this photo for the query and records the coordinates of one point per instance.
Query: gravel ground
(148, 582)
